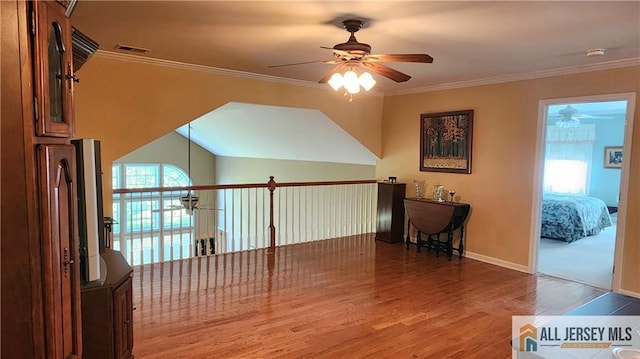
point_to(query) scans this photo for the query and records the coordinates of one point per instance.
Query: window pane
(153, 226)
(115, 207)
(142, 215)
(115, 176)
(141, 176)
(174, 176)
(174, 214)
(565, 176)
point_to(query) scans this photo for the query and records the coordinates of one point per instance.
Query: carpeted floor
(588, 260)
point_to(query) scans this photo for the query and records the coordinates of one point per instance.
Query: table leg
(461, 246)
(408, 237)
(449, 244)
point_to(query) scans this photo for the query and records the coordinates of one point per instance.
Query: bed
(569, 217)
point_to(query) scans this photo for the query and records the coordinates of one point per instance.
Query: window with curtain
(568, 159)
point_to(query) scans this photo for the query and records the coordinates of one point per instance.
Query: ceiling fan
(188, 202)
(356, 55)
(570, 116)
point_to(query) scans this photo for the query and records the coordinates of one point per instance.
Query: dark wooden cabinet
(41, 315)
(53, 66)
(123, 324)
(107, 311)
(61, 277)
(390, 215)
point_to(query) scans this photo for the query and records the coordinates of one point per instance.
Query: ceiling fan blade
(328, 75)
(168, 208)
(386, 71)
(424, 58)
(346, 55)
(305, 63)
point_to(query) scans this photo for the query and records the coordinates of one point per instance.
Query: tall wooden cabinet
(40, 278)
(390, 215)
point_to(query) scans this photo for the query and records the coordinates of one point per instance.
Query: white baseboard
(629, 293)
(495, 261)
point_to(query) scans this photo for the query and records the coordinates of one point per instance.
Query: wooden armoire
(41, 315)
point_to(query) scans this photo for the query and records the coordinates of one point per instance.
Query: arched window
(151, 226)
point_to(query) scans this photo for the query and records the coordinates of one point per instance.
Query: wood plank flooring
(350, 297)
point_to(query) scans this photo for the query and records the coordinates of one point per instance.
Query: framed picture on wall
(613, 157)
(445, 141)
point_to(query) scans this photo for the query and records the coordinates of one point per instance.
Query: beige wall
(129, 104)
(500, 188)
(172, 148)
(209, 169)
(253, 170)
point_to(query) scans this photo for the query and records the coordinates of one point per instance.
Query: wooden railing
(161, 224)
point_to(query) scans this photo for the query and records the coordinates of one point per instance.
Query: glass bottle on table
(420, 186)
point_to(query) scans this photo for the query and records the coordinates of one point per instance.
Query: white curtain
(568, 159)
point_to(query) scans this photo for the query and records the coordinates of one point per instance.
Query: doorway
(580, 193)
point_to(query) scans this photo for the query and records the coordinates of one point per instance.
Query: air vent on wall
(132, 49)
(83, 48)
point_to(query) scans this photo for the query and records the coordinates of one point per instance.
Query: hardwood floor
(350, 297)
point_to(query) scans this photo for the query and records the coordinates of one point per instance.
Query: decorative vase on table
(420, 186)
(438, 193)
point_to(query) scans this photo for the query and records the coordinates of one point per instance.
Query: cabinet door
(53, 66)
(390, 216)
(123, 313)
(60, 251)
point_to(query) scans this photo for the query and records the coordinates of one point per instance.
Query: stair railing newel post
(272, 228)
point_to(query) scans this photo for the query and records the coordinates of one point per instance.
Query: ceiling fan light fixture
(351, 82)
(366, 81)
(189, 202)
(353, 89)
(336, 81)
(350, 78)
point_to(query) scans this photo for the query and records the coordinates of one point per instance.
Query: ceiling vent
(139, 50)
(83, 48)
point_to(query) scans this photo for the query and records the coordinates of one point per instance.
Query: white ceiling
(469, 40)
(472, 42)
(307, 135)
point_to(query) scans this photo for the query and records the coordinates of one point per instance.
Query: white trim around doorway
(630, 97)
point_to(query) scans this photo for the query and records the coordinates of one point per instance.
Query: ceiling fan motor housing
(352, 45)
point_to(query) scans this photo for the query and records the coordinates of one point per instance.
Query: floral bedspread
(571, 217)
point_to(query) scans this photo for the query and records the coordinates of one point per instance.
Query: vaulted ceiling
(275, 132)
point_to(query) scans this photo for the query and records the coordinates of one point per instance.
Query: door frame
(536, 202)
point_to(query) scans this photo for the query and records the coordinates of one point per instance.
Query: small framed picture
(613, 157)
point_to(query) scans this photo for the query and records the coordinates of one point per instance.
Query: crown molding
(448, 86)
(519, 77)
(213, 70)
